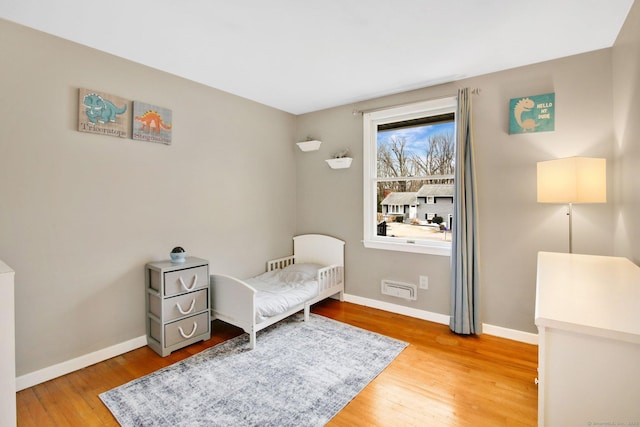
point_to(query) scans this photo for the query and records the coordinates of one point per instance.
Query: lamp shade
(572, 180)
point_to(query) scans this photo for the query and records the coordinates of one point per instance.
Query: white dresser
(177, 303)
(588, 319)
(7, 348)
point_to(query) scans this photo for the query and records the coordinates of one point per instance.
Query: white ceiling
(306, 55)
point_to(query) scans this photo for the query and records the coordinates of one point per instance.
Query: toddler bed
(314, 272)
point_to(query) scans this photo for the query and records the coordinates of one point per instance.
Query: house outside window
(409, 161)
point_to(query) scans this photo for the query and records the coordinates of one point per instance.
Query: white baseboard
(51, 372)
(511, 334)
(399, 309)
(498, 331)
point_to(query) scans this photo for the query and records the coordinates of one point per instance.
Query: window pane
(425, 150)
(415, 208)
(424, 214)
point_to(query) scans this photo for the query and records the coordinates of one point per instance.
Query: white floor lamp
(572, 180)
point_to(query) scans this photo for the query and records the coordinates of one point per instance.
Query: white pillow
(308, 270)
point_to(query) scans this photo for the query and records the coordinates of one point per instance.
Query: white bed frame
(233, 300)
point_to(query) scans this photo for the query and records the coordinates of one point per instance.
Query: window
(409, 160)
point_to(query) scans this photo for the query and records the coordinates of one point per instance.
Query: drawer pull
(193, 285)
(189, 335)
(189, 310)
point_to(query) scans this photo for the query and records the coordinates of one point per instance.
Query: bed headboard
(318, 248)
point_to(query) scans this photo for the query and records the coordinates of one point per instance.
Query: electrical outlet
(424, 282)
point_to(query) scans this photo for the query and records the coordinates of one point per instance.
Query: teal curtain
(465, 294)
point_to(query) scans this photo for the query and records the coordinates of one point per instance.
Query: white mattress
(280, 290)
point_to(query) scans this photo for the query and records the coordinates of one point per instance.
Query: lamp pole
(570, 229)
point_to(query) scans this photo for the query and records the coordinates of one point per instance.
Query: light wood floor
(440, 379)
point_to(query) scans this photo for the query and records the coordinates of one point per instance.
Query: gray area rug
(300, 374)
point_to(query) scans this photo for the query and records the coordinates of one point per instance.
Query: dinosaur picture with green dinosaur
(103, 114)
(532, 114)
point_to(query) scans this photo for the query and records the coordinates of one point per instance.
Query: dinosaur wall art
(111, 115)
(151, 123)
(103, 114)
(532, 114)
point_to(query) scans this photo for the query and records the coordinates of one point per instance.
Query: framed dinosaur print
(151, 123)
(532, 113)
(103, 114)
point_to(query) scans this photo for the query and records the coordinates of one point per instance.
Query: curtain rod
(355, 111)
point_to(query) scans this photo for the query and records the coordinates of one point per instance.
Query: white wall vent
(399, 289)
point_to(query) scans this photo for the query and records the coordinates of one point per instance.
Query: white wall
(81, 213)
(513, 226)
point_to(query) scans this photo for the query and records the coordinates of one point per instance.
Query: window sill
(442, 249)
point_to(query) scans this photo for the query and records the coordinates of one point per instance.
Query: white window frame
(371, 121)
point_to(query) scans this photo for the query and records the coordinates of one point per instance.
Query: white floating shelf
(341, 163)
(309, 145)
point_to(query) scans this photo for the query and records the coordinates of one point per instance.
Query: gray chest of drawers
(177, 304)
